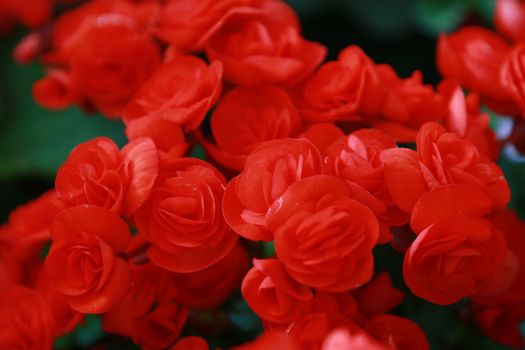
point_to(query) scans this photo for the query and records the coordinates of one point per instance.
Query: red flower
(166, 134)
(137, 302)
(323, 135)
(466, 120)
(509, 19)
(72, 27)
(342, 304)
(188, 24)
(311, 330)
(264, 46)
(209, 288)
(513, 75)
(473, 56)
(182, 217)
(160, 328)
(273, 294)
(379, 296)
(268, 171)
(397, 333)
(456, 254)
(11, 271)
(28, 228)
(190, 343)
(97, 173)
(104, 48)
(408, 106)
(442, 158)
(270, 340)
(246, 117)
(25, 319)
(342, 339)
(182, 91)
(356, 159)
(66, 319)
(82, 262)
(508, 222)
(342, 90)
(32, 13)
(324, 238)
(55, 91)
(502, 323)
(109, 68)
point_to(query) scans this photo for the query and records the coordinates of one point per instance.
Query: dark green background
(34, 142)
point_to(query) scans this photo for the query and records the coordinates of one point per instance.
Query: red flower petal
(449, 202)
(92, 220)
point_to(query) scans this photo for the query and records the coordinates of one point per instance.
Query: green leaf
(84, 336)
(198, 151)
(384, 18)
(485, 8)
(243, 318)
(437, 16)
(269, 249)
(34, 141)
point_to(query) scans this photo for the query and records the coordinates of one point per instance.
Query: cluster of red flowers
(302, 153)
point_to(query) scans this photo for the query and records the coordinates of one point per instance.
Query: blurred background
(34, 142)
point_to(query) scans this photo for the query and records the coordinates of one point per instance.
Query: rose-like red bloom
(311, 330)
(356, 159)
(160, 328)
(182, 217)
(508, 222)
(397, 333)
(55, 91)
(342, 304)
(502, 323)
(441, 158)
(82, 262)
(513, 75)
(11, 271)
(466, 120)
(324, 238)
(268, 171)
(32, 13)
(209, 288)
(345, 89)
(190, 343)
(137, 302)
(457, 253)
(66, 319)
(272, 294)
(97, 173)
(187, 24)
(342, 339)
(182, 91)
(509, 19)
(28, 228)
(270, 340)
(166, 134)
(408, 106)
(71, 28)
(30, 47)
(247, 116)
(109, 67)
(323, 135)
(379, 296)
(473, 56)
(104, 48)
(264, 46)
(25, 319)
